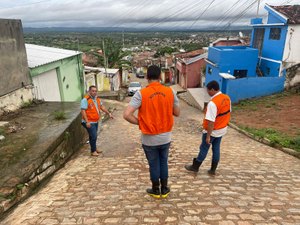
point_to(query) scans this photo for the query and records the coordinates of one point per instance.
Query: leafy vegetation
(165, 50)
(59, 115)
(2, 131)
(114, 56)
(276, 138)
(26, 104)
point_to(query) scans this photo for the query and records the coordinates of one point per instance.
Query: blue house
(259, 69)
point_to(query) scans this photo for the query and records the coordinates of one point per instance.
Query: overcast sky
(134, 13)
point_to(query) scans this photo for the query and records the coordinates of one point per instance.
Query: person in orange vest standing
(215, 122)
(90, 110)
(156, 105)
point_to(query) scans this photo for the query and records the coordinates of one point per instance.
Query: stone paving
(255, 184)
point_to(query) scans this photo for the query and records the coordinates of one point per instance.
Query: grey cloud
(130, 12)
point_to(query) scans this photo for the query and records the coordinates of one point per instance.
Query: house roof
(40, 55)
(292, 12)
(195, 59)
(190, 54)
(100, 69)
(228, 40)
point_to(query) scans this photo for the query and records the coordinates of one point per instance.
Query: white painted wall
(291, 53)
(14, 100)
(46, 86)
(89, 81)
(116, 82)
(100, 81)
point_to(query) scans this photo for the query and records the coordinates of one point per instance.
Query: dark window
(268, 70)
(275, 33)
(240, 73)
(259, 34)
(209, 70)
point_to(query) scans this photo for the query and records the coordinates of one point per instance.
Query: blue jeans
(204, 147)
(157, 157)
(93, 130)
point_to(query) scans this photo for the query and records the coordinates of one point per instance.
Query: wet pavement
(255, 184)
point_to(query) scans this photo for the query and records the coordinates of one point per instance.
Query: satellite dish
(241, 34)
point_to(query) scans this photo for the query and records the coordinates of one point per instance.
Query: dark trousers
(204, 147)
(93, 130)
(157, 157)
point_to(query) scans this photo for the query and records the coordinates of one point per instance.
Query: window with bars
(275, 33)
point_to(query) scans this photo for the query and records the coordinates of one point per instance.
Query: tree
(163, 50)
(114, 56)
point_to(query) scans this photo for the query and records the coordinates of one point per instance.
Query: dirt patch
(279, 112)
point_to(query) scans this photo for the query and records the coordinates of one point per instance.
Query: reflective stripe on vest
(156, 112)
(92, 113)
(222, 103)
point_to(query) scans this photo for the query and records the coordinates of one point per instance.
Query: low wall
(246, 88)
(292, 77)
(14, 100)
(56, 142)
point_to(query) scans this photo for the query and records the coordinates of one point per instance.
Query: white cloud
(132, 13)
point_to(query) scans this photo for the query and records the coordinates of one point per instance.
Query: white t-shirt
(211, 115)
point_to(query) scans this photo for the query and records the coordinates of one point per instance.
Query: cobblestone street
(255, 184)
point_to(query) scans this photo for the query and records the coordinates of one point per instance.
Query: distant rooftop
(40, 55)
(100, 69)
(292, 12)
(196, 58)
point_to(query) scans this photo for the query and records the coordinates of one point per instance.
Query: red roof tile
(292, 12)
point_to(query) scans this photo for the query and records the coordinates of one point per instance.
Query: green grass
(20, 186)
(2, 131)
(267, 102)
(26, 104)
(276, 138)
(59, 115)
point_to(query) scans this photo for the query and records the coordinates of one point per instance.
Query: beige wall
(14, 100)
(291, 54)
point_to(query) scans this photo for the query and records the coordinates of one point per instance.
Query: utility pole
(123, 39)
(257, 8)
(105, 60)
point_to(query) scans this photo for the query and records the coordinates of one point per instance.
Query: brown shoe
(99, 151)
(94, 154)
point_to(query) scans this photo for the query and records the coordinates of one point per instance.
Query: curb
(266, 142)
(261, 140)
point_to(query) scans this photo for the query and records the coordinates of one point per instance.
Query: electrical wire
(201, 14)
(178, 12)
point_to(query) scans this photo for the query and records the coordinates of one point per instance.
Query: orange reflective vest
(222, 102)
(92, 113)
(156, 112)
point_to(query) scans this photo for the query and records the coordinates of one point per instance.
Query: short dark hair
(213, 85)
(92, 86)
(153, 72)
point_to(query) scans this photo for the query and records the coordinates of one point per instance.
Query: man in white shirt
(215, 124)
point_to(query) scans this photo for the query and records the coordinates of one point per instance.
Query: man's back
(156, 111)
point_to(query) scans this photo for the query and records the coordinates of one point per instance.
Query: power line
(128, 12)
(27, 4)
(240, 15)
(228, 13)
(178, 12)
(201, 14)
(168, 9)
(191, 14)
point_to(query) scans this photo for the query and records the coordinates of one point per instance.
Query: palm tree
(114, 56)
